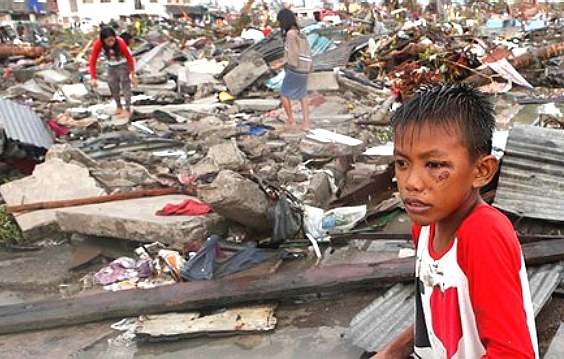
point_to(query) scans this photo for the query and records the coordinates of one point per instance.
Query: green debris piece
(9, 231)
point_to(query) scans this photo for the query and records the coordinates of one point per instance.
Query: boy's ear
(485, 170)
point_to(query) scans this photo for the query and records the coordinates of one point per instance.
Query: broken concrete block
(322, 81)
(257, 105)
(227, 156)
(286, 175)
(224, 156)
(136, 220)
(120, 174)
(157, 59)
(226, 322)
(75, 93)
(238, 199)
(54, 77)
(319, 191)
(51, 181)
(245, 74)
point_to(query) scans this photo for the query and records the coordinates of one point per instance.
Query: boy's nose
(413, 181)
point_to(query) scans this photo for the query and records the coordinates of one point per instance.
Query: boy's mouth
(415, 206)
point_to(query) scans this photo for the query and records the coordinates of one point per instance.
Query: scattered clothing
(57, 129)
(188, 207)
(202, 265)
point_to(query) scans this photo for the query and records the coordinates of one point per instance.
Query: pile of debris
(219, 203)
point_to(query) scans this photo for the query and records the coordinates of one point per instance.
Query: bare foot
(119, 112)
(305, 127)
(290, 126)
(125, 113)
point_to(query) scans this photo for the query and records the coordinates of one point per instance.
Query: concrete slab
(44, 269)
(245, 74)
(322, 81)
(135, 220)
(51, 181)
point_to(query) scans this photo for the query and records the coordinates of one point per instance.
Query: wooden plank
(28, 207)
(226, 292)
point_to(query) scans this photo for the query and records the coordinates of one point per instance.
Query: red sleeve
(490, 255)
(126, 53)
(96, 49)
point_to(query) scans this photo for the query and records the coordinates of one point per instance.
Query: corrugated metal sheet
(270, 48)
(392, 313)
(531, 183)
(543, 281)
(384, 319)
(23, 125)
(340, 56)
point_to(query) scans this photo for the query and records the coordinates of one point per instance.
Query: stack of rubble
(202, 168)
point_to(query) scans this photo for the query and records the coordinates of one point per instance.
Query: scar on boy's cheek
(443, 176)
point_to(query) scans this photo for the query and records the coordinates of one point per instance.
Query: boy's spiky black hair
(457, 105)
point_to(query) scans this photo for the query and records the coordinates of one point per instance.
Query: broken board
(173, 326)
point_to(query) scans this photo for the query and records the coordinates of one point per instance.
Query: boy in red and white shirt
(472, 293)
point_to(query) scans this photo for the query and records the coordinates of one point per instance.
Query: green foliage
(9, 230)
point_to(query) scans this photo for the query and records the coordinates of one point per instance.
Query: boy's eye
(401, 164)
(435, 165)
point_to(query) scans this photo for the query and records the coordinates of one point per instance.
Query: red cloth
(58, 130)
(489, 254)
(267, 31)
(188, 207)
(97, 49)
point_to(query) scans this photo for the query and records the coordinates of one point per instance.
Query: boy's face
(435, 173)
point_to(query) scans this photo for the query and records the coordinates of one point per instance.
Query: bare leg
(305, 111)
(287, 105)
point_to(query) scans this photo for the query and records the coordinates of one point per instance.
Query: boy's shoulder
(484, 227)
(488, 233)
(484, 220)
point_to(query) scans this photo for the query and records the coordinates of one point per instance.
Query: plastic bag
(318, 223)
(286, 220)
(202, 265)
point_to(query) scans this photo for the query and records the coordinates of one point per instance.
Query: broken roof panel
(383, 320)
(530, 184)
(389, 315)
(270, 48)
(340, 56)
(23, 125)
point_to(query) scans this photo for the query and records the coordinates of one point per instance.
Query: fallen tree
(226, 292)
